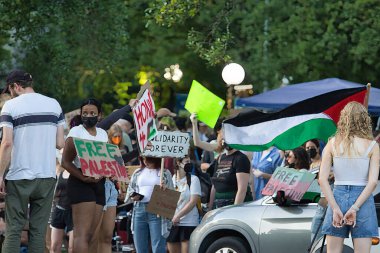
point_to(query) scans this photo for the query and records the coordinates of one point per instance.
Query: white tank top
(352, 170)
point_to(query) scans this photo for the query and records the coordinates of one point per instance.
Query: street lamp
(173, 73)
(232, 74)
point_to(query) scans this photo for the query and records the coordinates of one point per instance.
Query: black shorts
(62, 219)
(180, 234)
(79, 191)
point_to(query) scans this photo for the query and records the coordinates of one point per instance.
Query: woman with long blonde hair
(355, 156)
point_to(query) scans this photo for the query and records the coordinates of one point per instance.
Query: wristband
(355, 208)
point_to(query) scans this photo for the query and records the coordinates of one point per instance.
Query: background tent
(280, 98)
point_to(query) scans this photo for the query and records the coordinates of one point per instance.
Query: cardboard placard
(168, 144)
(100, 159)
(144, 117)
(206, 104)
(293, 182)
(163, 202)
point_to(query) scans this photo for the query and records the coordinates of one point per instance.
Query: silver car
(261, 226)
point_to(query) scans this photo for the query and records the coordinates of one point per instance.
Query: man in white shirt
(32, 130)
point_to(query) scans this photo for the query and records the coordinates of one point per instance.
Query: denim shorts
(111, 194)
(366, 219)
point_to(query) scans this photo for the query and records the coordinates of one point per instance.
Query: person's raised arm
(197, 140)
(108, 121)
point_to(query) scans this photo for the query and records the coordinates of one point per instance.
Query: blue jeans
(147, 225)
(366, 219)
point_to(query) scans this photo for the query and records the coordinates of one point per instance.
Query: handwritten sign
(168, 144)
(293, 182)
(206, 104)
(100, 159)
(143, 114)
(163, 202)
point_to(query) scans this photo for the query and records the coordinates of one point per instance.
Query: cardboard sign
(100, 159)
(163, 202)
(143, 115)
(293, 182)
(206, 104)
(168, 144)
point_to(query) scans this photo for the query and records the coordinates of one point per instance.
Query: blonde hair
(116, 129)
(354, 121)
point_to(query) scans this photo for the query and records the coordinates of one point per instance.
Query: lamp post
(232, 74)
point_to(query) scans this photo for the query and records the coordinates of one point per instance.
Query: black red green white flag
(291, 127)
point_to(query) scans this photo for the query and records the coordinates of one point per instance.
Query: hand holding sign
(207, 105)
(100, 159)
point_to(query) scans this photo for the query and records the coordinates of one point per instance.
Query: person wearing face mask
(86, 194)
(186, 217)
(312, 149)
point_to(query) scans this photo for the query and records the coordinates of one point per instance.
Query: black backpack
(204, 180)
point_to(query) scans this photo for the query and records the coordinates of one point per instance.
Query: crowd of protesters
(85, 208)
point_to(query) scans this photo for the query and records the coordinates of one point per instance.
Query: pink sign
(293, 182)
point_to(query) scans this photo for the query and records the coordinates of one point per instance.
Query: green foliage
(104, 49)
(307, 40)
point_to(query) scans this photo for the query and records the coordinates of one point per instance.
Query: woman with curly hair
(355, 156)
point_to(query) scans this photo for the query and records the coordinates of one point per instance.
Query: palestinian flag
(291, 127)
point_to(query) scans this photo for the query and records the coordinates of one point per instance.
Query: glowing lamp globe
(233, 74)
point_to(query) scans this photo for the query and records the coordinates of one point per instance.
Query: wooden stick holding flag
(367, 95)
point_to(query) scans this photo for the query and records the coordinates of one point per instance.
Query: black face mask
(292, 165)
(89, 122)
(312, 153)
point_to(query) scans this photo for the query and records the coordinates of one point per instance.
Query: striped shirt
(34, 119)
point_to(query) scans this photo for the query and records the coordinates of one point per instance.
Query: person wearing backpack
(186, 217)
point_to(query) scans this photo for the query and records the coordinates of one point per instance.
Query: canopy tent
(280, 98)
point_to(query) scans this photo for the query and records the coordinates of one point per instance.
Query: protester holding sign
(186, 217)
(87, 194)
(102, 241)
(355, 156)
(264, 163)
(147, 225)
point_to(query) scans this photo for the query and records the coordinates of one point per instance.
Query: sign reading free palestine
(293, 182)
(100, 159)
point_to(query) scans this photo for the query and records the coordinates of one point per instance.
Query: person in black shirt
(230, 180)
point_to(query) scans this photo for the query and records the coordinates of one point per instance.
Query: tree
(307, 40)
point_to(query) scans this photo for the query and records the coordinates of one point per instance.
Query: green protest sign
(206, 104)
(100, 159)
